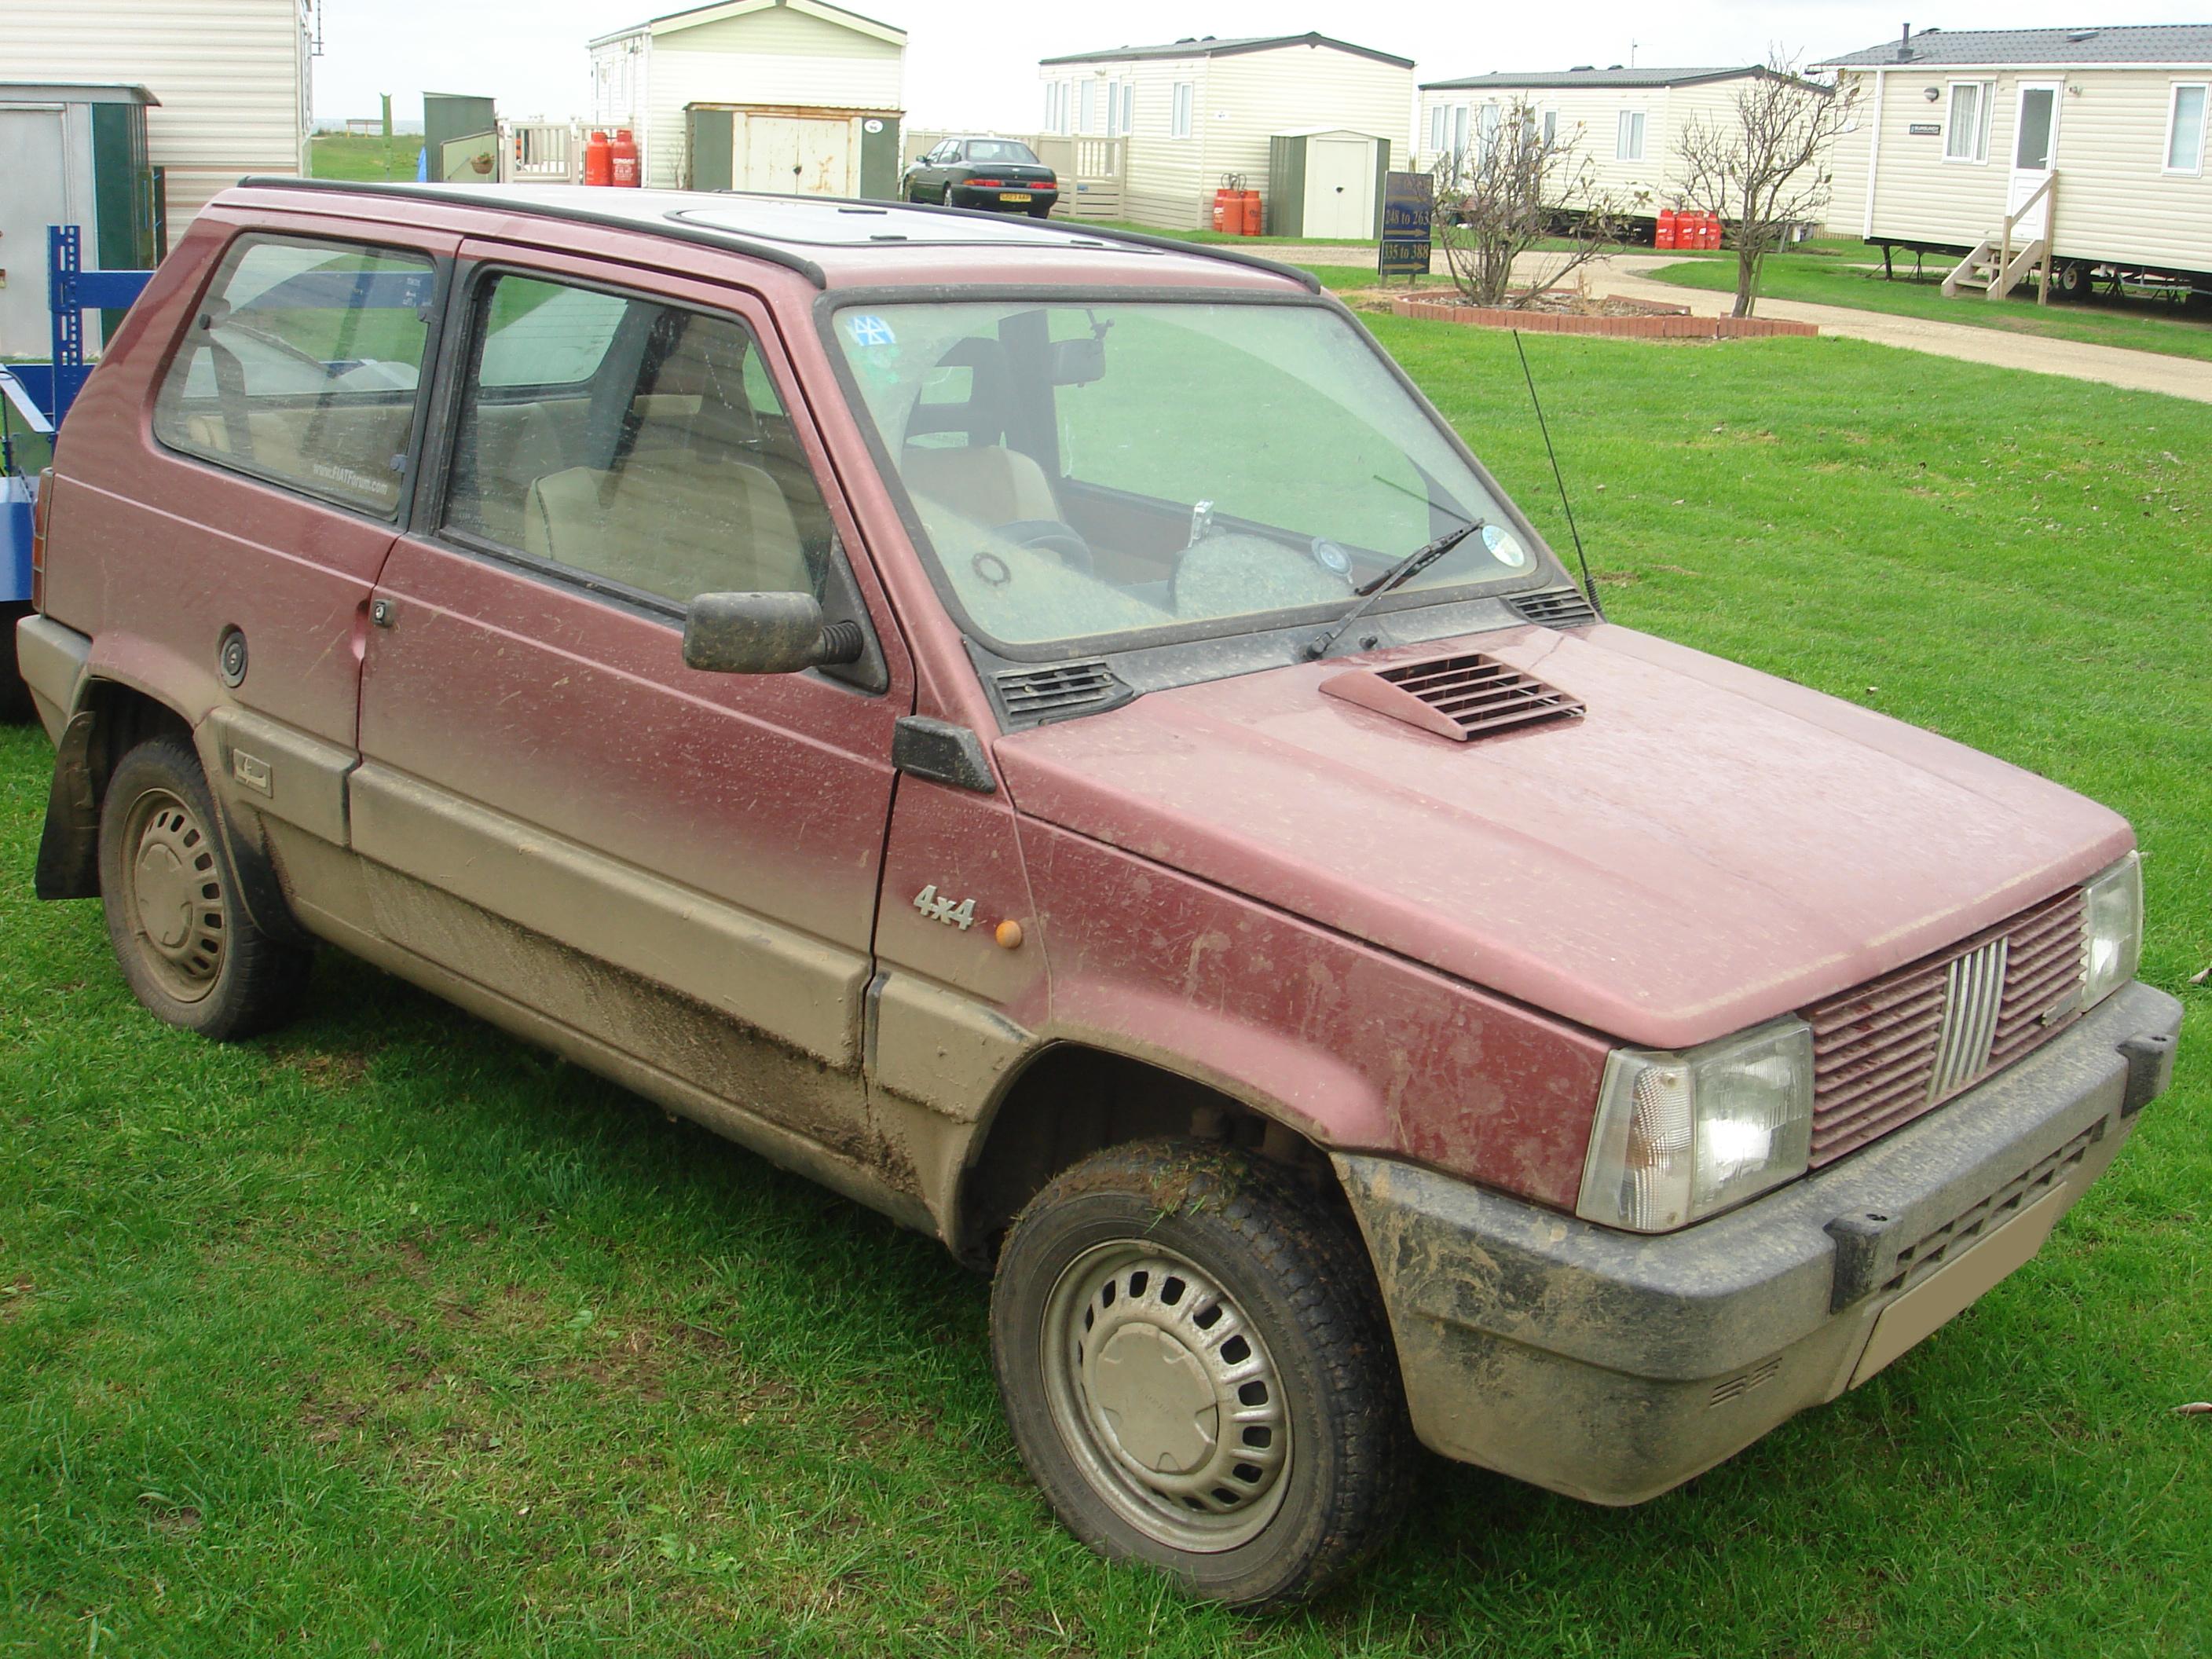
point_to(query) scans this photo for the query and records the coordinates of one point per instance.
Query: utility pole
(387, 134)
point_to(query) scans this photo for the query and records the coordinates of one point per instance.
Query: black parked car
(1003, 174)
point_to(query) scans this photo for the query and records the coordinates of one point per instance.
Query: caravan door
(2034, 154)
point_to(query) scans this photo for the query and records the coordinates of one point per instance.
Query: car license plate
(1015, 196)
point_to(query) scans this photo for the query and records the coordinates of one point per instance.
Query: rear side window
(302, 365)
(632, 444)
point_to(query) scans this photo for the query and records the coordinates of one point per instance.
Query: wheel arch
(1073, 1097)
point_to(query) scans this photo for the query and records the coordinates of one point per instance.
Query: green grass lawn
(352, 155)
(391, 1334)
(2138, 324)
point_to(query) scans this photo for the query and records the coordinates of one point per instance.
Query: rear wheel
(14, 696)
(188, 949)
(1192, 1356)
(1040, 211)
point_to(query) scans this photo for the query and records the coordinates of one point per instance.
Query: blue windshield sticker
(872, 331)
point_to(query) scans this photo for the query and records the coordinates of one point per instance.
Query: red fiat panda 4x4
(1049, 735)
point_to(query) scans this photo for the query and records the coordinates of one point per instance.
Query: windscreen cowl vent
(1555, 607)
(1463, 697)
(1029, 696)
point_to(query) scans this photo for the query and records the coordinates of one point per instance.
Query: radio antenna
(1589, 588)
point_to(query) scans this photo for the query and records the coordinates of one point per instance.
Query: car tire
(15, 696)
(1043, 212)
(189, 951)
(1221, 1284)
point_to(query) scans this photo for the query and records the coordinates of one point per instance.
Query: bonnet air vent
(1028, 694)
(1463, 698)
(1556, 607)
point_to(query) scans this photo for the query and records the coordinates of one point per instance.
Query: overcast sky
(973, 62)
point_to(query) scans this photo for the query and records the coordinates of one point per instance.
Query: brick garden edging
(1629, 328)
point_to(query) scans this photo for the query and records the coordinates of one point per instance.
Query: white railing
(541, 152)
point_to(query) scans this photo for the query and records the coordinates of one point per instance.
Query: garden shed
(77, 155)
(1188, 114)
(2085, 149)
(1326, 183)
(792, 96)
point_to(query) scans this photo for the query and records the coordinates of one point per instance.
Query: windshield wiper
(1395, 577)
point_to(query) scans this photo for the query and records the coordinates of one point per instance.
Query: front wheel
(1192, 1355)
(191, 952)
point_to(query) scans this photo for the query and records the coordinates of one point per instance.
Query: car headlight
(1682, 1136)
(2112, 945)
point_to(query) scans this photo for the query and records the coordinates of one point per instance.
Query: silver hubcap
(1167, 1396)
(176, 895)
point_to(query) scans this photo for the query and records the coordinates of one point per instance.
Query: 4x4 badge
(938, 908)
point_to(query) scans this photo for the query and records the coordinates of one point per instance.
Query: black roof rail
(728, 241)
(1077, 230)
(768, 248)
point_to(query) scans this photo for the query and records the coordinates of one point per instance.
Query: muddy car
(1048, 733)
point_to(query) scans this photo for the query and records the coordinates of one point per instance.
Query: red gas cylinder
(621, 152)
(1712, 230)
(1222, 198)
(599, 159)
(1251, 225)
(1664, 236)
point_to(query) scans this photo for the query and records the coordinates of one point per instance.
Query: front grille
(1899, 1045)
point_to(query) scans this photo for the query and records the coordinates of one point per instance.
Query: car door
(670, 874)
(275, 467)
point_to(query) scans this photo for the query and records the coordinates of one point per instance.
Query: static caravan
(2081, 152)
(1185, 116)
(229, 81)
(1626, 122)
(790, 96)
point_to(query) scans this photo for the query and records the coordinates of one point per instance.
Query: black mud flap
(69, 850)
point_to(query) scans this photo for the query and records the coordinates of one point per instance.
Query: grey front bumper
(1612, 1366)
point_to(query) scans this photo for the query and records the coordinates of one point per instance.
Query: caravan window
(1966, 138)
(2184, 128)
(1629, 147)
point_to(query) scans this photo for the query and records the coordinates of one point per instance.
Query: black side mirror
(765, 634)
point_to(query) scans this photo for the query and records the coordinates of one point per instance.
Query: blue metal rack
(35, 398)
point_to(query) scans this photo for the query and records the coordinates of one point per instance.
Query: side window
(301, 368)
(631, 442)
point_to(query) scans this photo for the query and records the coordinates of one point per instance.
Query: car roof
(833, 242)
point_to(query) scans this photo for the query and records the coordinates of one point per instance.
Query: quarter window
(2184, 128)
(1966, 135)
(302, 367)
(1628, 145)
(633, 444)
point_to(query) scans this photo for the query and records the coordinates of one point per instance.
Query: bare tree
(1764, 169)
(1516, 188)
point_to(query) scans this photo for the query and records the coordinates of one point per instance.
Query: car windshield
(1000, 149)
(1081, 470)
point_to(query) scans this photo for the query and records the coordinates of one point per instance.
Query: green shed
(1326, 183)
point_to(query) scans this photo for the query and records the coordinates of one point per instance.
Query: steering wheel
(1063, 541)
